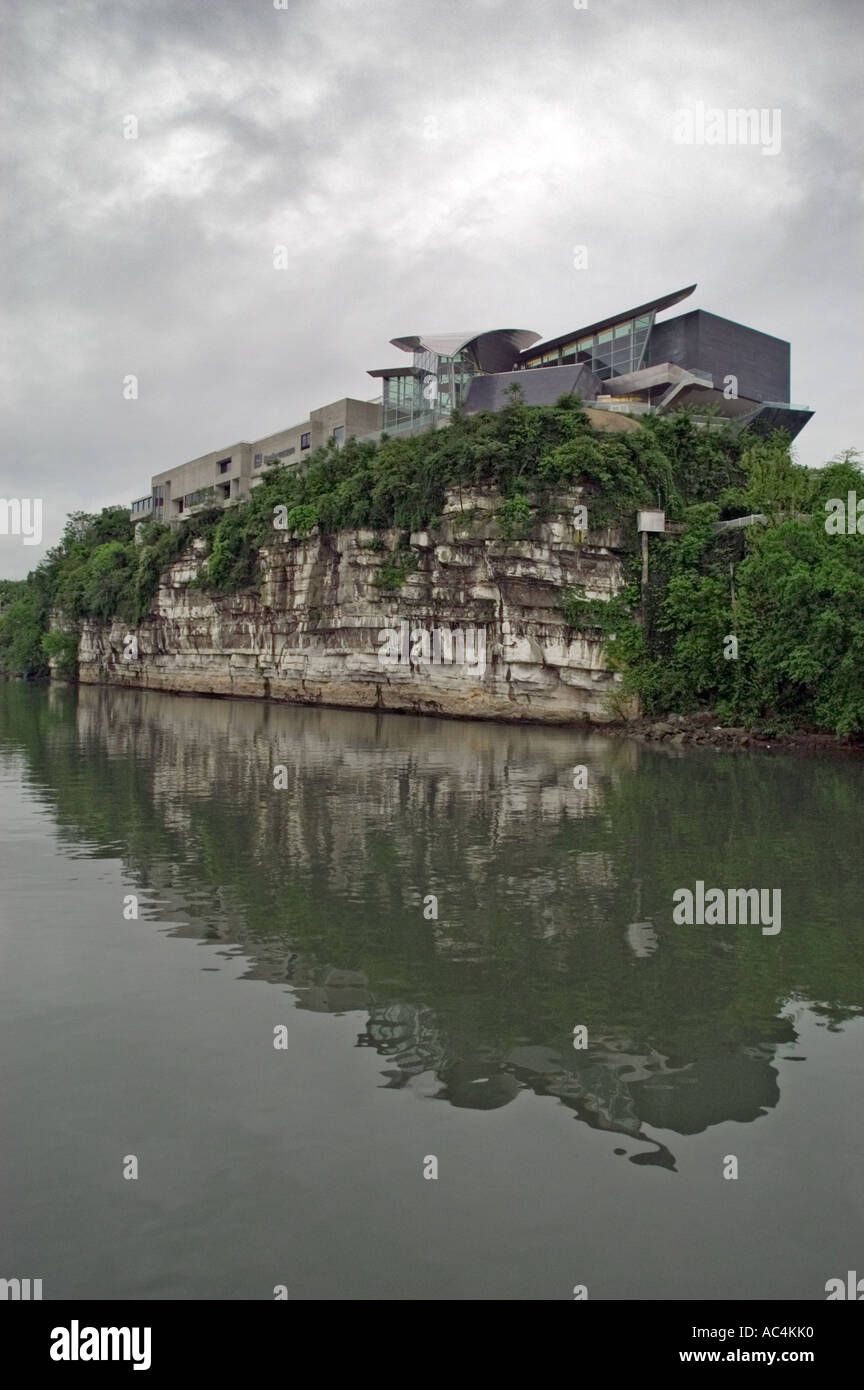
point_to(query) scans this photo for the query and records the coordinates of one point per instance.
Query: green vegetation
(527, 453)
(790, 593)
(62, 649)
(10, 590)
(97, 571)
(396, 569)
(514, 517)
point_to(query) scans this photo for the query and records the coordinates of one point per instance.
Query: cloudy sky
(427, 166)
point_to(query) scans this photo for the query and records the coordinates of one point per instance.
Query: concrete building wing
(620, 367)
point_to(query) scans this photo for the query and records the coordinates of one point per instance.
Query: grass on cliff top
(525, 453)
(799, 592)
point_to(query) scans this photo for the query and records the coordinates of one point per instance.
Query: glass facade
(613, 351)
(430, 390)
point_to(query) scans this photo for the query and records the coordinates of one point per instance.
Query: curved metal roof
(653, 306)
(494, 350)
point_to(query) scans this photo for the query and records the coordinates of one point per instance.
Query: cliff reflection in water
(554, 905)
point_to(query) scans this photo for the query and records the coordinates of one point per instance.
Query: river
(292, 1000)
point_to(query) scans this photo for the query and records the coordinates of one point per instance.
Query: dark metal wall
(711, 344)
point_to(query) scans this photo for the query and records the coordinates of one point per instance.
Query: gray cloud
(427, 167)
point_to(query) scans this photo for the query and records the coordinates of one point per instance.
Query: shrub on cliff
(800, 614)
(798, 591)
(96, 571)
(62, 649)
(525, 453)
(790, 593)
(22, 628)
(514, 516)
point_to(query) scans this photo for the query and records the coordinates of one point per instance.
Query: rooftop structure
(625, 365)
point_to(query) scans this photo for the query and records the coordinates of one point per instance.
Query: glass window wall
(433, 390)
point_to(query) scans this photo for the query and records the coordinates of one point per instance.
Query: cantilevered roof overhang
(495, 350)
(394, 371)
(653, 306)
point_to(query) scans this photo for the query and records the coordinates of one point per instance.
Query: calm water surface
(410, 1037)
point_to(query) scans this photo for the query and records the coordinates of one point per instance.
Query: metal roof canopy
(394, 371)
(495, 350)
(653, 306)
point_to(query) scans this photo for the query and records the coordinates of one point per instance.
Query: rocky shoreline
(678, 730)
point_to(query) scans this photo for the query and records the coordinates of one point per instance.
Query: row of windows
(439, 384)
(146, 504)
(612, 352)
(193, 498)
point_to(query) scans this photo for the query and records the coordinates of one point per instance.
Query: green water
(297, 914)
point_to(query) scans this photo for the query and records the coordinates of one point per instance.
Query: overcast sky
(429, 166)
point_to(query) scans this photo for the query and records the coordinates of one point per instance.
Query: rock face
(454, 621)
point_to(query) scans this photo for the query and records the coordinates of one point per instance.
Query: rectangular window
(623, 330)
(257, 460)
(339, 434)
(224, 465)
(304, 441)
(605, 337)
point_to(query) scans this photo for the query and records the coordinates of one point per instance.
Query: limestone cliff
(316, 633)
